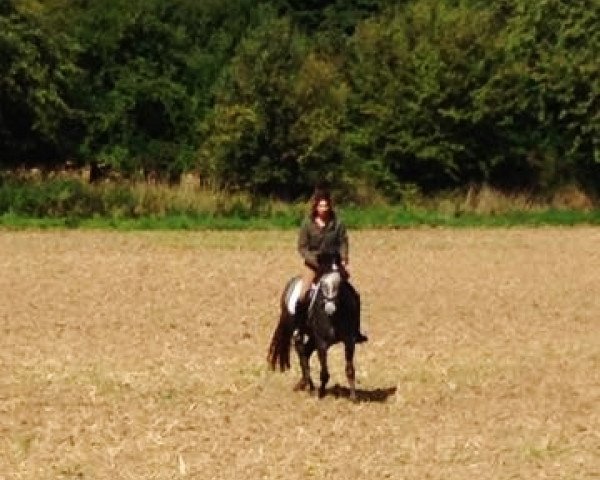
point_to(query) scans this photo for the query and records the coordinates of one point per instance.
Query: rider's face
(323, 209)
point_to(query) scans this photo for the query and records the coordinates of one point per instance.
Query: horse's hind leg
(350, 371)
(304, 351)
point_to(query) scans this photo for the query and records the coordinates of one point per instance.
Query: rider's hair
(321, 192)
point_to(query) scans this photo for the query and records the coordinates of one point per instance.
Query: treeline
(269, 97)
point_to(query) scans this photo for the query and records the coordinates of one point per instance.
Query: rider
(322, 232)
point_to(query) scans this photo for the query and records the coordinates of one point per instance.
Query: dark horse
(333, 316)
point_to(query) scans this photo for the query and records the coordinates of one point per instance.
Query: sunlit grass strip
(398, 217)
(381, 217)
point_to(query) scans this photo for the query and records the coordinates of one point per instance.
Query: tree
(276, 124)
(150, 70)
(413, 72)
(37, 75)
(544, 96)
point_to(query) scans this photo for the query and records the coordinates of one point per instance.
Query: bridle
(329, 286)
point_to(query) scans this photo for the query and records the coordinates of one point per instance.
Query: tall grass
(71, 197)
(71, 202)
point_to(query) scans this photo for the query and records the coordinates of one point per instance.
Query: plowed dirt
(143, 356)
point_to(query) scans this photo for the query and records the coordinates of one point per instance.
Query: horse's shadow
(376, 395)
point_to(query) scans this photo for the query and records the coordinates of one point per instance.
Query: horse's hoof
(322, 393)
(301, 385)
(304, 385)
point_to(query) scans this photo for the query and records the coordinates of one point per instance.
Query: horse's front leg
(350, 371)
(322, 352)
(304, 351)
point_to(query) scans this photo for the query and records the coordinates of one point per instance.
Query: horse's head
(328, 262)
(329, 283)
(329, 286)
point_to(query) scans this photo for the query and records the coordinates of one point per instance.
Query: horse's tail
(281, 342)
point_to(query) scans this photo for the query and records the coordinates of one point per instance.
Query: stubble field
(143, 356)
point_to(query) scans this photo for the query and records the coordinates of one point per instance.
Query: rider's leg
(308, 277)
(359, 336)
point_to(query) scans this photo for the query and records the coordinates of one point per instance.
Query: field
(143, 356)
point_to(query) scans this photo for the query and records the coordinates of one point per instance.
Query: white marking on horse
(330, 285)
(294, 296)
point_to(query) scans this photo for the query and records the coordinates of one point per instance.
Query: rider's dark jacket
(313, 241)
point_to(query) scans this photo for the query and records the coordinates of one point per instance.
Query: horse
(332, 316)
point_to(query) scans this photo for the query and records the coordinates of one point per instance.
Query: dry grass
(142, 356)
(485, 200)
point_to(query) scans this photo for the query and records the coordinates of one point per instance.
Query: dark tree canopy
(270, 96)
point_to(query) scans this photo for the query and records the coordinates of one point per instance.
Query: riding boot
(360, 337)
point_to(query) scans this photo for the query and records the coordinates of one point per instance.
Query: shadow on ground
(375, 395)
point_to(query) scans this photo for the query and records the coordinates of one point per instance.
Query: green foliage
(71, 197)
(386, 100)
(35, 83)
(413, 99)
(276, 125)
(543, 95)
(447, 94)
(150, 69)
(340, 16)
(59, 198)
(70, 203)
